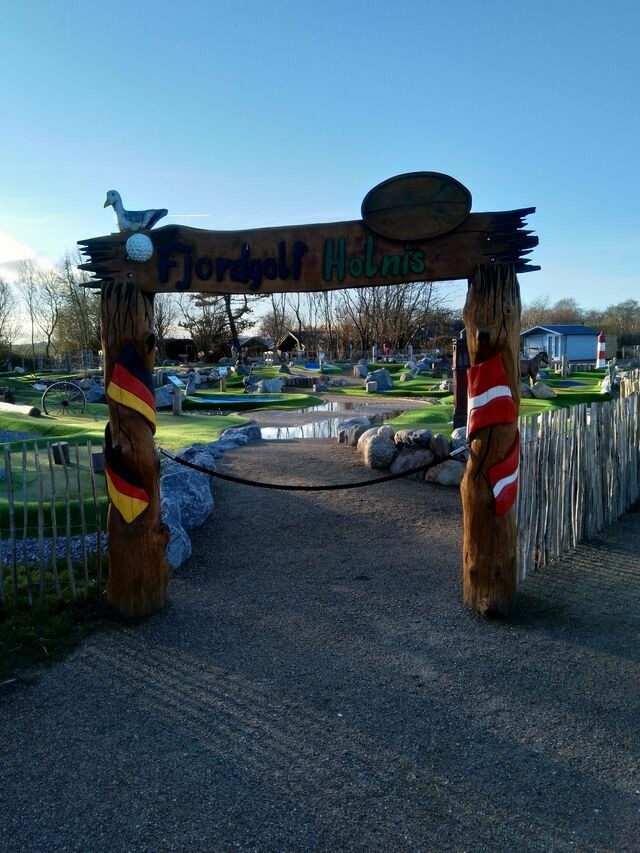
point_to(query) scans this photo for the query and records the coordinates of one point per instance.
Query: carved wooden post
(138, 570)
(460, 365)
(492, 320)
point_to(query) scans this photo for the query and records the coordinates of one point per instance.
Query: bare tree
(48, 305)
(79, 326)
(276, 322)
(165, 317)
(8, 308)
(204, 318)
(27, 282)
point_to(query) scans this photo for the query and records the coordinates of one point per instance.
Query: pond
(325, 428)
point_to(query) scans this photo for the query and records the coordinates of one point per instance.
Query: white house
(578, 342)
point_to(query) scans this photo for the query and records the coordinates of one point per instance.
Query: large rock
(383, 379)
(525, 391)
(379, 451)
(417, 438)
(448, 473)
(366, 435)
(542, 392)
(350, 431)
(264, 386)
(163, 397)
(191, 490)
(96, 394)
(408, 459)
(387, 430)
(273, 386)
(250, 432)
(179, 545)
(440, 446)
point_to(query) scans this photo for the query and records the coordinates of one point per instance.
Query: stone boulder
(387, 430)
(350, 431)
(250, 432)
(191, 490)
(409, 458)
(542, 392)
(270, 386)
(439, 446)
(382, 378)
(366, 435)
(448, 473)
(179, 545)
(414, 438)
(163, 396)
(379, 451)
(525, 391)
(96, 394)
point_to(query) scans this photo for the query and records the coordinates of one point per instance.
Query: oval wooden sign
(416, 206)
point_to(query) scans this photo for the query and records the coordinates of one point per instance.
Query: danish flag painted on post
(504, 478)
(491, 402)
(490, 399)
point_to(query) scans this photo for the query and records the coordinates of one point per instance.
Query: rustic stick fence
(579, 472)
(630, 383)
(51, 524)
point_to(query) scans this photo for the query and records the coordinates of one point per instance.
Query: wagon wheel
(63, 398)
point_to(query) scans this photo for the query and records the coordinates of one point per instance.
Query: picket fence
(54, 510)
(579, 472)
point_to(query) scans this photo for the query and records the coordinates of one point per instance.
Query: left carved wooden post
(138, 570)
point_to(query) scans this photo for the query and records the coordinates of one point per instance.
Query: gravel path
(315, 684)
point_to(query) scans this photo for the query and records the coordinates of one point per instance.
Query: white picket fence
(579, 472)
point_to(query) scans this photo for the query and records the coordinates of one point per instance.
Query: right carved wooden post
(492, 320)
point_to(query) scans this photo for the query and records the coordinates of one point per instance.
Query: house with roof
(576, 341)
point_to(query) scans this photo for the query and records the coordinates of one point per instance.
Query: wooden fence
(630, 384)
(579, 472)
(52, 522)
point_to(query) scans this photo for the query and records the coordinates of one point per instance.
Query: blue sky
(236, 114)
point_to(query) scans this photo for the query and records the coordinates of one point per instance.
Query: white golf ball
(139, 248)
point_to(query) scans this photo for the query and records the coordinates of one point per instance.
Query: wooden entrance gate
(414, 227)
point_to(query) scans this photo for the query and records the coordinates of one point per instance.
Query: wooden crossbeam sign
(414, 227)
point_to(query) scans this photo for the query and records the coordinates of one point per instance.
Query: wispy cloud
(13, 250)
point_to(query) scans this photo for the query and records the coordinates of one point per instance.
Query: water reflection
(318, 429)
(327, 428)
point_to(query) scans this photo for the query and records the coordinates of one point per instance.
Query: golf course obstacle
(414, 227)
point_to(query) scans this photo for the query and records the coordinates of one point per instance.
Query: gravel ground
(315, 684)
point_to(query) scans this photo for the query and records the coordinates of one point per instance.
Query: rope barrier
(293, 488)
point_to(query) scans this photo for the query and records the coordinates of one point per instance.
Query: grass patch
(438, 418)
(33, 637)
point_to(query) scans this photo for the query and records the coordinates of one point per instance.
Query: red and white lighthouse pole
(602, 350)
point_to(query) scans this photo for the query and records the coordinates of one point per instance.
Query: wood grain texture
(138, 570)
(492, 321)
(335, 256)
(416, 206)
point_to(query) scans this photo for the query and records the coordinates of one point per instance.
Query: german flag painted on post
(123, 486)
(130, 385)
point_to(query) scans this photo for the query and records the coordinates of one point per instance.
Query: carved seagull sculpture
(133, 220)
